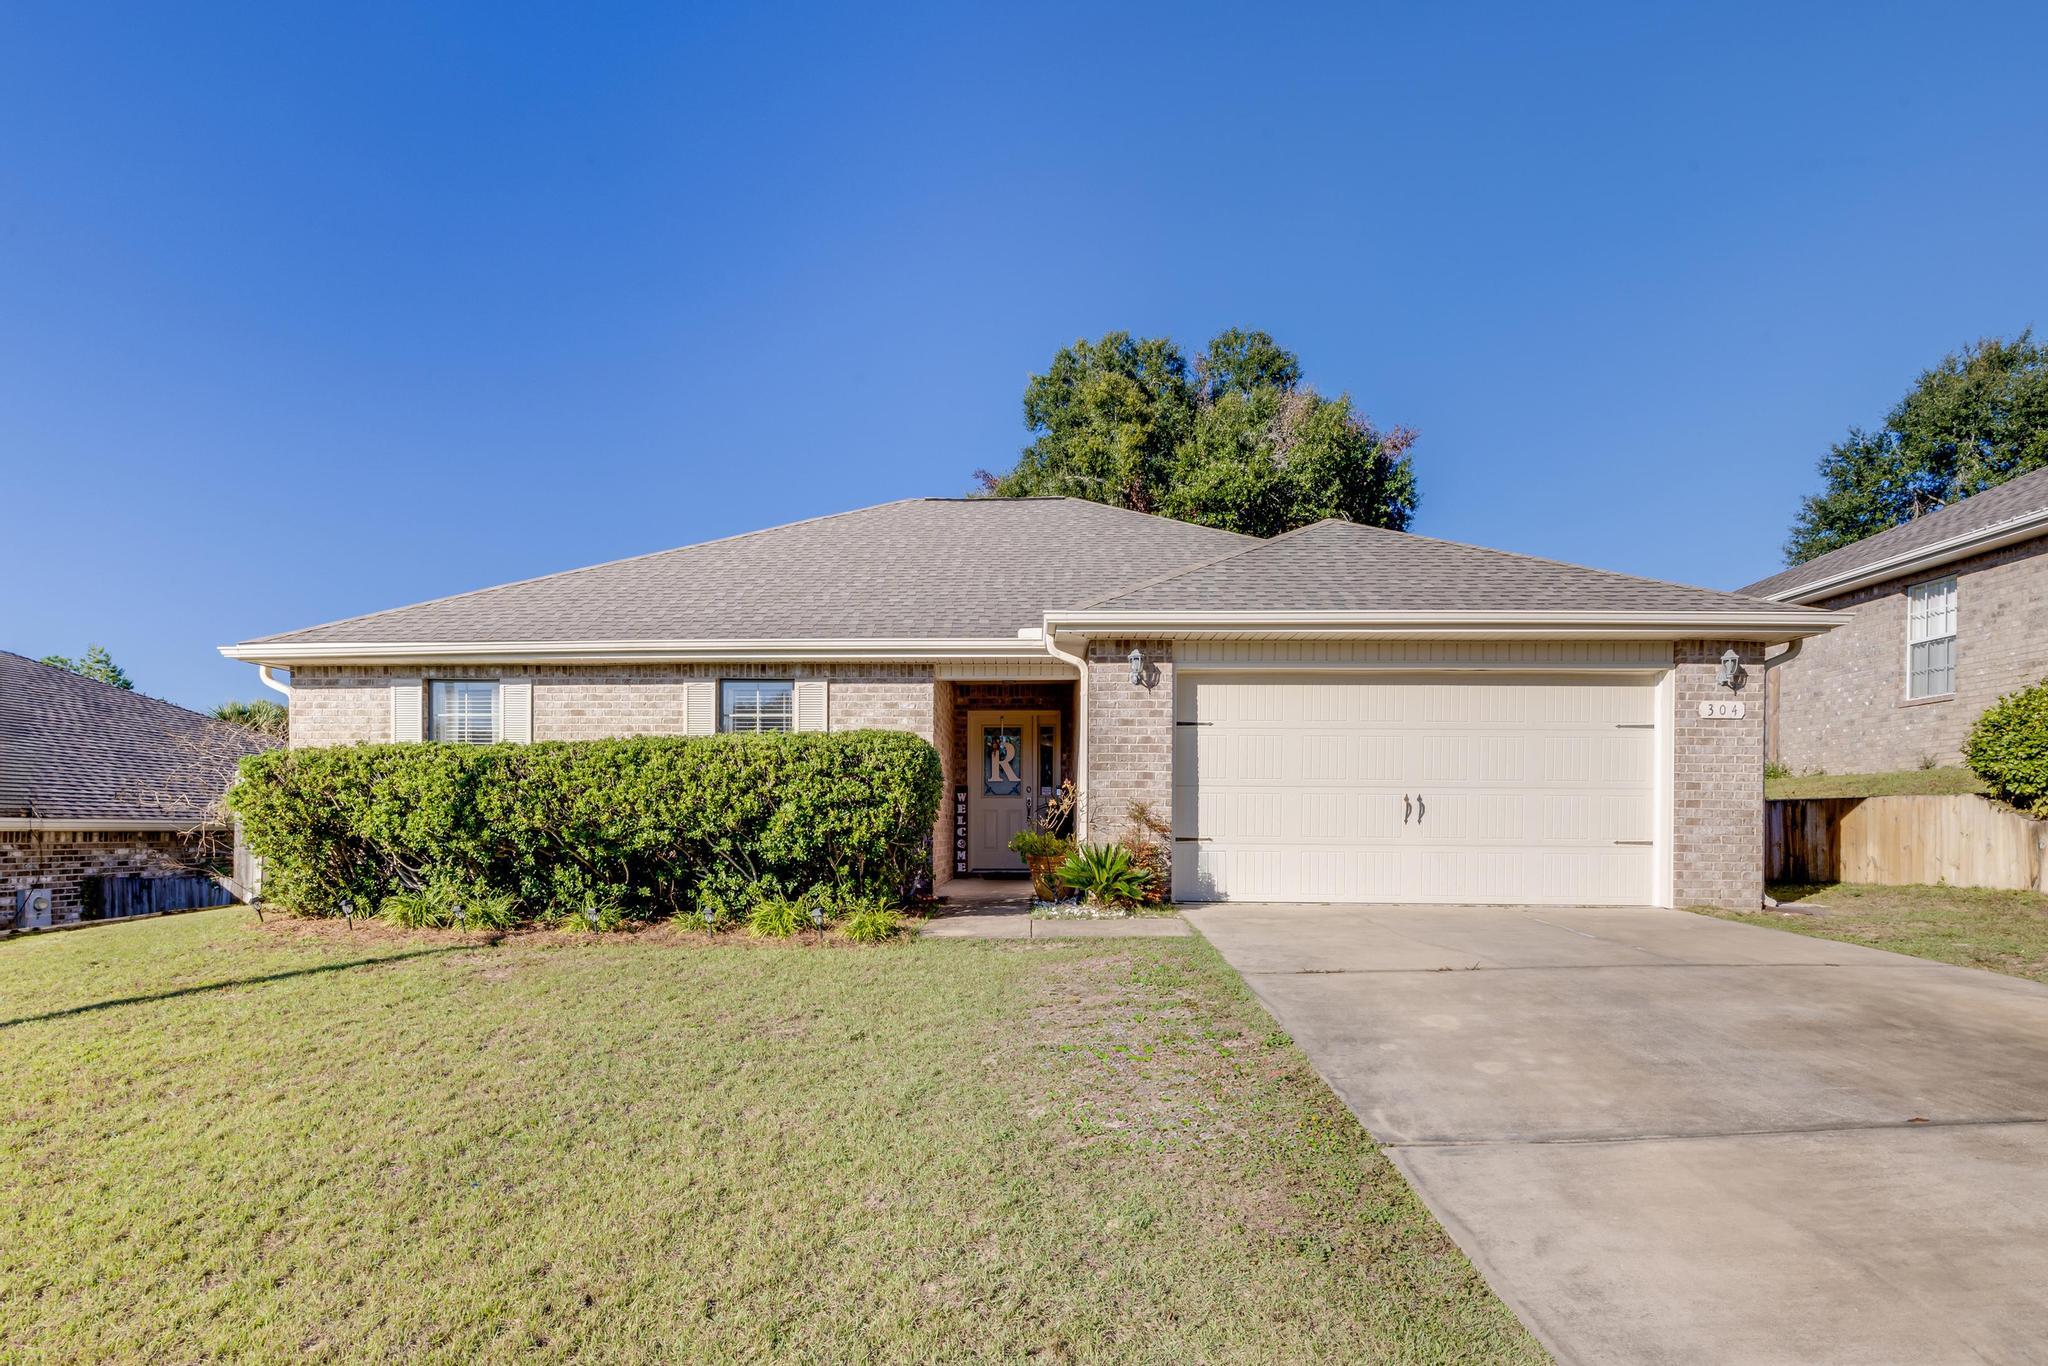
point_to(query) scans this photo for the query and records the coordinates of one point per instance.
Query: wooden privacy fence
(1964, 841)
(113, 898)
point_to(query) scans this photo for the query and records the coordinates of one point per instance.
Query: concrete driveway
(1667, 1138)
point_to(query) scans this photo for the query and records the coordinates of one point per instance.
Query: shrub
(872, 925)
(447, 905)
(1040, 844)
(599, 832)
(2008, 749)
(777, 917)
(1148, 840)
(1106, 874)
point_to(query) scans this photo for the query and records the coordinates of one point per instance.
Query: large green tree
(1974, 421)
(1236, 440)
(96, 663)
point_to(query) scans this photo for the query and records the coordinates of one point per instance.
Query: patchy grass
(219, 1139)
(1913, 782)
(1970, 926)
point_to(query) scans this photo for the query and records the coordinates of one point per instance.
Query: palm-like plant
(1106, 874)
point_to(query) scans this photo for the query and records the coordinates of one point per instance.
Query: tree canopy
(1237, 440)
(1972, 422)
(96, 663)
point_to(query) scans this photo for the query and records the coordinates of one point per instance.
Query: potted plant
(1046, 844)
(1043, 852)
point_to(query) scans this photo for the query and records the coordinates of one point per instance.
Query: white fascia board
(154, 826)
(1769, 627)
(286, 653)
(1923, 557)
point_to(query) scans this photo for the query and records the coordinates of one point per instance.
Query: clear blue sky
(306, 316)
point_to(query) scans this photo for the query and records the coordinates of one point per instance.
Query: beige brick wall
(61, 860)
(341, 706)
(1717, 855)
(1841, 706)
(1130, 735)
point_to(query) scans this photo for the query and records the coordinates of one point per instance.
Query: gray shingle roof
(926, 568)
(2015, 498)
(72, 748)
(1343, 567)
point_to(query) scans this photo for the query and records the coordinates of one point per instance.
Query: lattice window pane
(749, 706)
(464, 713)
(1931, 638)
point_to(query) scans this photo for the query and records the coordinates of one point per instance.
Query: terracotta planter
(1045, 876)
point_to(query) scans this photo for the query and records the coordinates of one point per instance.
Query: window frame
(723, 718)
(1952, 613)
(433, 720)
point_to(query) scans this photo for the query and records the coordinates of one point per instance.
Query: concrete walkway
(985, 908)
(1667, 1138)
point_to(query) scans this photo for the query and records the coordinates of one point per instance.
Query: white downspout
(1080, 726)
(269, 680)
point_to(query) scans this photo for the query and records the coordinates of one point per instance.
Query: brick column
(1717, 856)
(1130, 735)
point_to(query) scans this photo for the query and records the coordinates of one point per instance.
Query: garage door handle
(1420, 809)
(1407, 808)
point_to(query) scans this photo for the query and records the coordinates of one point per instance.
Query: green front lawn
(1970, 926)
(220, 1139)
(1912, 782)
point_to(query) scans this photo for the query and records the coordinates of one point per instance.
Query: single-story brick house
(1944, 614)
(1338, 714)
(107, 796)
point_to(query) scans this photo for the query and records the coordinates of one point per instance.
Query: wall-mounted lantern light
(1731, 669)
(1137, 667)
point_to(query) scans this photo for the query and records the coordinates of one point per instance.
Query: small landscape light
(818, 921)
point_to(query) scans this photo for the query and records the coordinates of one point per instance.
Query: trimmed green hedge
(597, 831)
(2008, 749)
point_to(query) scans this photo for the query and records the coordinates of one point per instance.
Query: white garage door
(1515, 789)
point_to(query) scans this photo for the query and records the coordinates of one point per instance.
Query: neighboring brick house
(1946, 614)
(1338, 714)
(100, 786)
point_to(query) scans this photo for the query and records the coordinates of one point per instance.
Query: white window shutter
(700, 708)
(408, 712)
(515, 712)
(810, 704)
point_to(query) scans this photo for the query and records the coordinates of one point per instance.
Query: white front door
(1515, 789)
(1013, 761)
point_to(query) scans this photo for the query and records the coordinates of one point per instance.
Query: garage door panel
(1534, 789)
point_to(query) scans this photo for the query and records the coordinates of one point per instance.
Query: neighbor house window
(463, 713)
(1931, 638)
(753, 704)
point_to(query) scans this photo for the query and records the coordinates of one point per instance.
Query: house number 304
(1729, 710)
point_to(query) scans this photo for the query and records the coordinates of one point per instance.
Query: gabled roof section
(2014, 510)
(1343, 567)
(74, 748)
(923, 569)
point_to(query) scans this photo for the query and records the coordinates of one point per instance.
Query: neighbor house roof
(2013, 511)
(973, 569)
(75, 749)
(1340, 567)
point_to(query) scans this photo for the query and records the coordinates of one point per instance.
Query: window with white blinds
(463, 713)
(746, 706)
(1931, 638)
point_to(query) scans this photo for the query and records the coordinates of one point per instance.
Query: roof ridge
(1563, 564)
(586, 568)
(128, 694)
(1804, 574)
(1134, 512)
(1172, 574)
